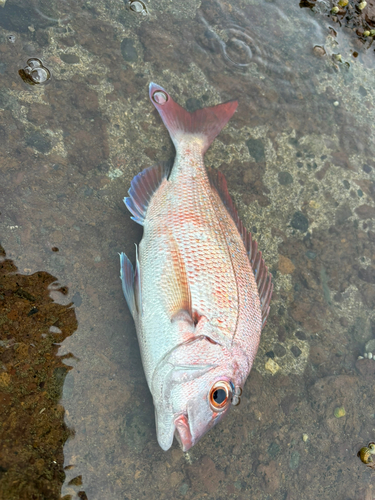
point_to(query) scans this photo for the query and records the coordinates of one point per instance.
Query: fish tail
(204, 123)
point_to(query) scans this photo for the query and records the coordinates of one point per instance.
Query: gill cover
(172, 371)
(181, 388)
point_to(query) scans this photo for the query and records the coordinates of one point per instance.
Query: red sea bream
(200, 291)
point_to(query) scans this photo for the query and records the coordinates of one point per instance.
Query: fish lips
(178, 428)
(170, 423)
(187, 429)
(190, 429)
(182, 432)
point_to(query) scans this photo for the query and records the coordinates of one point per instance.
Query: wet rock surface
(32, 431)
(358, 16)
(298, 158)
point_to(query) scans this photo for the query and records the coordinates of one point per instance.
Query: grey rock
(285, 178)
(256, 149)
(128, 51)
(300, 222)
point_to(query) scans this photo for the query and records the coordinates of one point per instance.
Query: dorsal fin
(263, 278)
(142, 188)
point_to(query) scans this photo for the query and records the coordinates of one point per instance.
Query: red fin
(263, 278)
(206, 122)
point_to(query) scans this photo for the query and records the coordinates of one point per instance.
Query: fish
(200, 291)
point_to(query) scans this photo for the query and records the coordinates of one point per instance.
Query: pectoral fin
(131, 285)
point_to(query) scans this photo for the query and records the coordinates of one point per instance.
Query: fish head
(193, 389)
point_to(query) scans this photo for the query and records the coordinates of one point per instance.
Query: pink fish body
(200, 291)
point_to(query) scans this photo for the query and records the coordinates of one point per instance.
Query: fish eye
(220, 395)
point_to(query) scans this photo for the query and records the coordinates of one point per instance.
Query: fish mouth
(182, 432)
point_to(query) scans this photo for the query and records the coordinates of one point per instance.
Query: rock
(256, 149)
(294, 460)
(340, 158)
(342, 214)
(183, 489)
(70, 58)
(285, 178)
(366, 368)
(128, 51)
(310, 254)
(365, 212)
(322, 172)
(273, 450)
(366, 168)
(296, 351)
(39, 142)
(368, 295)
(272, 366)
(360, 330)
(281, 333)
(370, 346)
(285, 266)
(300, 222)
(279, 350)
(367, 274)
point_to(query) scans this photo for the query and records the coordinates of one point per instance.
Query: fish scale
(200, 290)
(186, 210)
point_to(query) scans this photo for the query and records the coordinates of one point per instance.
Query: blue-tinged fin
(142, 188)
(137, 284)
(127, 279)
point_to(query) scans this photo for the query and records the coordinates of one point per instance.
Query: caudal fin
(206, 122)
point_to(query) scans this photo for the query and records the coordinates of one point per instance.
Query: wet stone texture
(32, 430)
(357, 16)
(299, 160)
